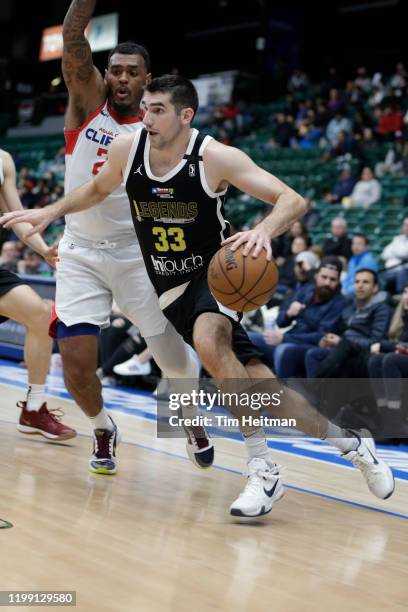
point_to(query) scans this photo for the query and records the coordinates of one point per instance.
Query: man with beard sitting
(312, 311)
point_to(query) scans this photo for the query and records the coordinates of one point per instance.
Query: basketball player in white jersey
(198, 169)
(99, 256)
(19, 302)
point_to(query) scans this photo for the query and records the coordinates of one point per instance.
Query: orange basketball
(242, 283)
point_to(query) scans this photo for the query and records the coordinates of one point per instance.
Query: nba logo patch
(191, 170)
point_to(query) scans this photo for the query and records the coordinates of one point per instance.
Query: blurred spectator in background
(365, 321)
(9, 256)
(314, 310)
(298, 82)
(338, 124)
(399, 79)
(391, 121)
(387, 365)
(367, 190)
(343, 186)
(395, 256)
(284, 131)
(393, 163)
(32, 263)
(362, 80)
(338, 244)
(361, 258)
(335, 102)
(287, 278)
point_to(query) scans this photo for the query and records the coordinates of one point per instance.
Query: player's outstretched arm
(89, 194)
(10, 201)
(84, 82)
(230, 165)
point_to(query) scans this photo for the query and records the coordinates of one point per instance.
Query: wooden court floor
(158, 536)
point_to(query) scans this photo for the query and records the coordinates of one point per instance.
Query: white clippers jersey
(86, 151)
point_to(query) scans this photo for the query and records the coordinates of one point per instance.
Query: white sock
(256, 445)
(35, 397)
(338, 437)
(102, 420)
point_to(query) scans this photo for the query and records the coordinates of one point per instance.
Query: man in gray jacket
(365, 321)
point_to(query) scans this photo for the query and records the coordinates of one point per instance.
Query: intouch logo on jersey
(191, 170)
(163, 192)
(169, 267)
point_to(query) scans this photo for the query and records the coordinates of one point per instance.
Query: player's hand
(294, 309)
(51, 255)
(255, 240)
(39, 218)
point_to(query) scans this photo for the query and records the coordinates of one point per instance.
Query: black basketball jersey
(178, 220)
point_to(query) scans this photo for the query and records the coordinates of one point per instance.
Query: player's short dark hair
(372, 272)
(131, 48)
(182, 91)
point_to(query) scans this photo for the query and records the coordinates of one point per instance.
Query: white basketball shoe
(377, 473)
(262, 490)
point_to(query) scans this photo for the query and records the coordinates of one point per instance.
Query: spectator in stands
(393, 163)
(323, 116)
(284, 131)
(361, 259)
(308, 133)
(345, 144)
(335, 102)
(367, 190)
(284, 246)
(306, 264)
(339, 123)
(32, 263)
(9, 256)
(395, 256)
(399, 79)
(388, 364)
(314, 310)
(362, 80)
(365, 321)
(338, 244)
(391, 121)
(343, 186)
(287, 278)
(298, 82)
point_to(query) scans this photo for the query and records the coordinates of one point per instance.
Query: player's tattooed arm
(83, 80)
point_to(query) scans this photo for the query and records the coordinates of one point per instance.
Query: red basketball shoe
(44, 422)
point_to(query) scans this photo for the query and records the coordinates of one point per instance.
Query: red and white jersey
(86, 151)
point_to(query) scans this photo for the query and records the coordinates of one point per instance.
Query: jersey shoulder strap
(194, 155)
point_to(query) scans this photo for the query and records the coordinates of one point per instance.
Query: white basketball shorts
(90, 278)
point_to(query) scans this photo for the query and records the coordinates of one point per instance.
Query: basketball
(242, 283)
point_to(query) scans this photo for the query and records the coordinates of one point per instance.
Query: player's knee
(79, 371)
(39, 317)
(212, 345)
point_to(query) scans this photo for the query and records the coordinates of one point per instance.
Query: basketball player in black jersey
(176, 180)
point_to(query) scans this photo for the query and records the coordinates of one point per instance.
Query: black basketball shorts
(197, 299)
(8, 280)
